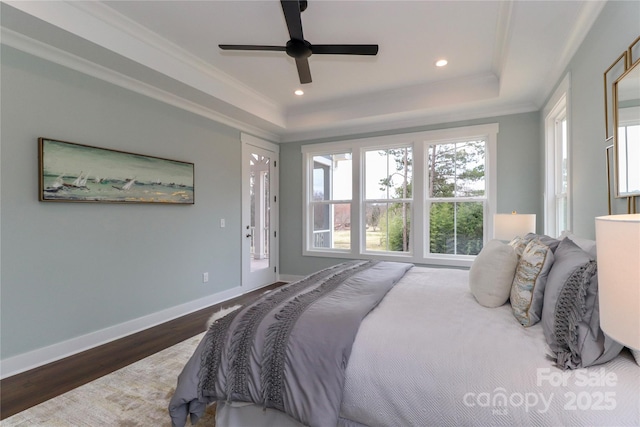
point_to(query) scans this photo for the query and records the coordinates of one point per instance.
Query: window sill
(463, 261)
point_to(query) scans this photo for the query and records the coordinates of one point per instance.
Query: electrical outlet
(205, 277)
(222, 223)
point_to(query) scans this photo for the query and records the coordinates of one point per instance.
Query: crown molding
(44, 51)
(588, 15)
(417, 121)
(124, 24)
(503, 34)
(108, 29)
(407, 100)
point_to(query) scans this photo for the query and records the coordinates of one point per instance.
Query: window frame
(429, 201)
(557, 110)
(419, 248)
(364, 200)
(309, 202)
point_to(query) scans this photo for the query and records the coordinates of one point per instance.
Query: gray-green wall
(519, 188)
(615, 29)
(68, 270)
(72, 269)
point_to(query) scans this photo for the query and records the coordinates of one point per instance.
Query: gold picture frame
(612, 74)
(633, 53)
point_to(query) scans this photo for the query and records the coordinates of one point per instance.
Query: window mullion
(357, 174)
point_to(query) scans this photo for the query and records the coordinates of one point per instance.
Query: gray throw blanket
(289, 349)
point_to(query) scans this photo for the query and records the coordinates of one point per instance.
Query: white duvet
(430, 355)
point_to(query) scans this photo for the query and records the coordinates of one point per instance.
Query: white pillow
(492, 273)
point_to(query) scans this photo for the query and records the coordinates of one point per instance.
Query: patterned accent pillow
(527, 289)
(544, 239)
(518, 243)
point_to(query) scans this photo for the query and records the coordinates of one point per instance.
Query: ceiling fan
(300, 49)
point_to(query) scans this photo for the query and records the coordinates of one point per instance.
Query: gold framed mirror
(626, 141)
(610, 76)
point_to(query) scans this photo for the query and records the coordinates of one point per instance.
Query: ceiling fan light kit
(300, 49)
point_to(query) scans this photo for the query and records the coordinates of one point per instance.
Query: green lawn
(341, 240)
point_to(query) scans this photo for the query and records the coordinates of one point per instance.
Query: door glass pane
(260, 211)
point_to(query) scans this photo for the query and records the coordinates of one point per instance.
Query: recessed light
(441, 62)
(299, 92)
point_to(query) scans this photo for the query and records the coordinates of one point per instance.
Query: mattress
(430, 355)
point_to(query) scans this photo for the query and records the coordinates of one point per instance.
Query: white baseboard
(290, 277)
(35, 358)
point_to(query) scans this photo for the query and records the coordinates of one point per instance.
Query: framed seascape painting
(71, 172)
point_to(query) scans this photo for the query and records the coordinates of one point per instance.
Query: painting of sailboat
(71, 172)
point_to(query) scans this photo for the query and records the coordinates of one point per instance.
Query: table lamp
(508, 226)
(618, 257)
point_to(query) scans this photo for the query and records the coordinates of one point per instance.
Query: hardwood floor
(22, 391)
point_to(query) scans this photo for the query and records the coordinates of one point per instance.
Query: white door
(259, 212)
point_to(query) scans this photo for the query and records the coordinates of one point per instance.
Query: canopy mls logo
(585, 390)
(499, 400)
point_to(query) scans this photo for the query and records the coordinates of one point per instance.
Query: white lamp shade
(618, 251)
(508, 226)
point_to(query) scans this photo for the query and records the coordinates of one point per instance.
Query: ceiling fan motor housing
(298, 49)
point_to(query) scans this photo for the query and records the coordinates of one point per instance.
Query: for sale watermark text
(584, 390)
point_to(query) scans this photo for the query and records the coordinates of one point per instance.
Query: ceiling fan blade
(345, 49)
(291, 9)
(303, 70)
(251, 47)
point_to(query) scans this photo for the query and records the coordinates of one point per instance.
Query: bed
(423, 352)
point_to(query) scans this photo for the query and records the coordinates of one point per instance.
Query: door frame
(250, 281)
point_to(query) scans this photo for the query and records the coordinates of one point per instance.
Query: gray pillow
(549, 241)
(589, 246)
(570, 313)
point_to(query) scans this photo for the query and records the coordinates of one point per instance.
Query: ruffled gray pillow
(570, 312)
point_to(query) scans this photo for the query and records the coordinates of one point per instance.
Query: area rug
(136, 395)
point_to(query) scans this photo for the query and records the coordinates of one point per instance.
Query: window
(456, 197)
(628, 174)
(422, 197)
(387, 200)
(557, 171)
(331, 201)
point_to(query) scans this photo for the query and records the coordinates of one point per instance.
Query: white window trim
(419, 250)
(558, 105)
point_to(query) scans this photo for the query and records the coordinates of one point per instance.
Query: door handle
(248, 235)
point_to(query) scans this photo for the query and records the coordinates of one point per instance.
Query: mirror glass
(627, 135)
